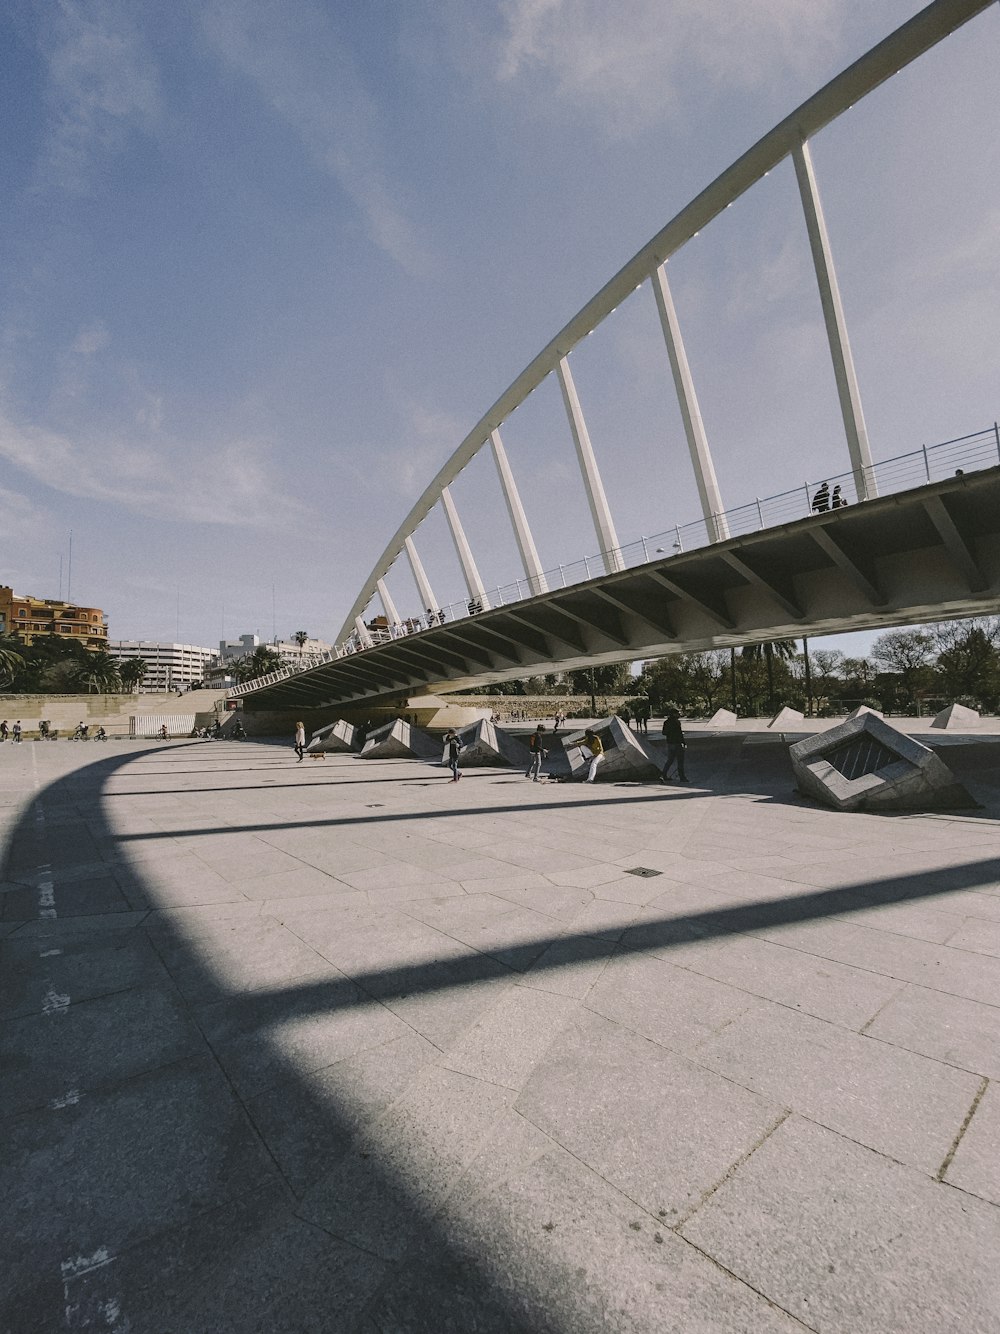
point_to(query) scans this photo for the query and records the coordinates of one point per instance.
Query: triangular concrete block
(337, 738)
(625, 754)
(399, 740)
(861, 710)
(956, 718)
(486, 744)
(786, 718)
(722, 718)
(864, 764)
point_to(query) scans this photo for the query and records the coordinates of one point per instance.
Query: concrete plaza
(343, 1046)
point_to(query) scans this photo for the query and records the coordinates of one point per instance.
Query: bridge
(915, 539)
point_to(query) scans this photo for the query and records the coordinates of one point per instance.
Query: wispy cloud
(309, 79)
(228, 482)
(628, 73)
(102, 83)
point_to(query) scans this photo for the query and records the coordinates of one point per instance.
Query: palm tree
(258, 663)
(10, 664)
(133, 672)
(300, 637)
(769, 650)
(99, 673)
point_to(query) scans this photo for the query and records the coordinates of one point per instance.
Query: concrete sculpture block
(864, 764)
(400, 741)
(625, 754)
(786, 718)
(722, 718)
(336, 738)
(486, 744)
(956, 718)
(863, 709)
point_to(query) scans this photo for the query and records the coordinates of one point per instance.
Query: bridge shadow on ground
(170, 1166)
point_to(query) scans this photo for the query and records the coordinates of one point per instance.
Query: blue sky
(265, 264)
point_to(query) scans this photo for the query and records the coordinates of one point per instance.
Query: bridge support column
(603, 522)
(694, 427)
(473, 582)
(522, 533)
(836, 326)
(388, 606)
(423, 583)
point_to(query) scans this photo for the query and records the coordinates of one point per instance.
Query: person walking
(674, 737)
(560, 719)
(837, 502)
(536, 744)
(300, 741)
(592, 750)
(454, 747)
(821, 500)
(626, 716)
(4, 731)
(16, 733)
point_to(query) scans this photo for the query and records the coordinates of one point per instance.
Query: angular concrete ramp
(861, 710)
(956, 718)
(787, 718)
(722, 718)
(337, 738)
(486, 744)
(866, 765)
(625, 754)
(399, 740)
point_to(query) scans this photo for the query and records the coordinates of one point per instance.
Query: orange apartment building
(28, 619)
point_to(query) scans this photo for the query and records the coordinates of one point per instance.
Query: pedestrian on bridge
(821, 500)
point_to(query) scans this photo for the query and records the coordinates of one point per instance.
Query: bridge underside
(923, 555)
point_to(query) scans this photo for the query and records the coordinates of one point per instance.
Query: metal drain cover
(644, 871)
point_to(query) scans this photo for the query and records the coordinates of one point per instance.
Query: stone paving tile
(852, 1243)
(833, 991)
(309, 1122)
(509, 1038)
(614, 1099)
(976, 1164)
(672, 1006)
(535, 1243)
(904, 1105)
(114, 1168)
(570, 966)
(948, 1028)
(382, 1195)
(981, 937)
(80, 1046)
(81, 970)
(248, 956)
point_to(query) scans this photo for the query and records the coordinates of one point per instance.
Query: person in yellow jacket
(592, 749)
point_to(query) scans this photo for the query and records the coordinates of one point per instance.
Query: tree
(300, 637)
(782, 649)
(905, 653)
(968, 658)
(133, 672)
(11, 663)
(99, 673)
(261, 662)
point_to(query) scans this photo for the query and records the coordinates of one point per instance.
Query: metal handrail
(903, 472)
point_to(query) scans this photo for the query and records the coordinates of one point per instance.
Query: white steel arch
(789, 138)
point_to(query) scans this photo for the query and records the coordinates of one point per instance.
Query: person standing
(536, 744)
(454, 747)
(593, 751)
(674, 737)
(626, 716)
(16, 733)
(4, 729)
(821, 500)
(560, 719)
(300, 741)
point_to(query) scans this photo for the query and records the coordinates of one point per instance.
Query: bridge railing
(904, 472)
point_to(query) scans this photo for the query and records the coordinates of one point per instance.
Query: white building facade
(169, 666)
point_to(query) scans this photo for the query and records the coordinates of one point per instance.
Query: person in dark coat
(454, 746)
(821, 500)
(674, 737)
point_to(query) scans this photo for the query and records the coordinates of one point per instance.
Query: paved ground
(343, 1046)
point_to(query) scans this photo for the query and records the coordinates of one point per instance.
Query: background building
(170, 666)
(28, 618)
